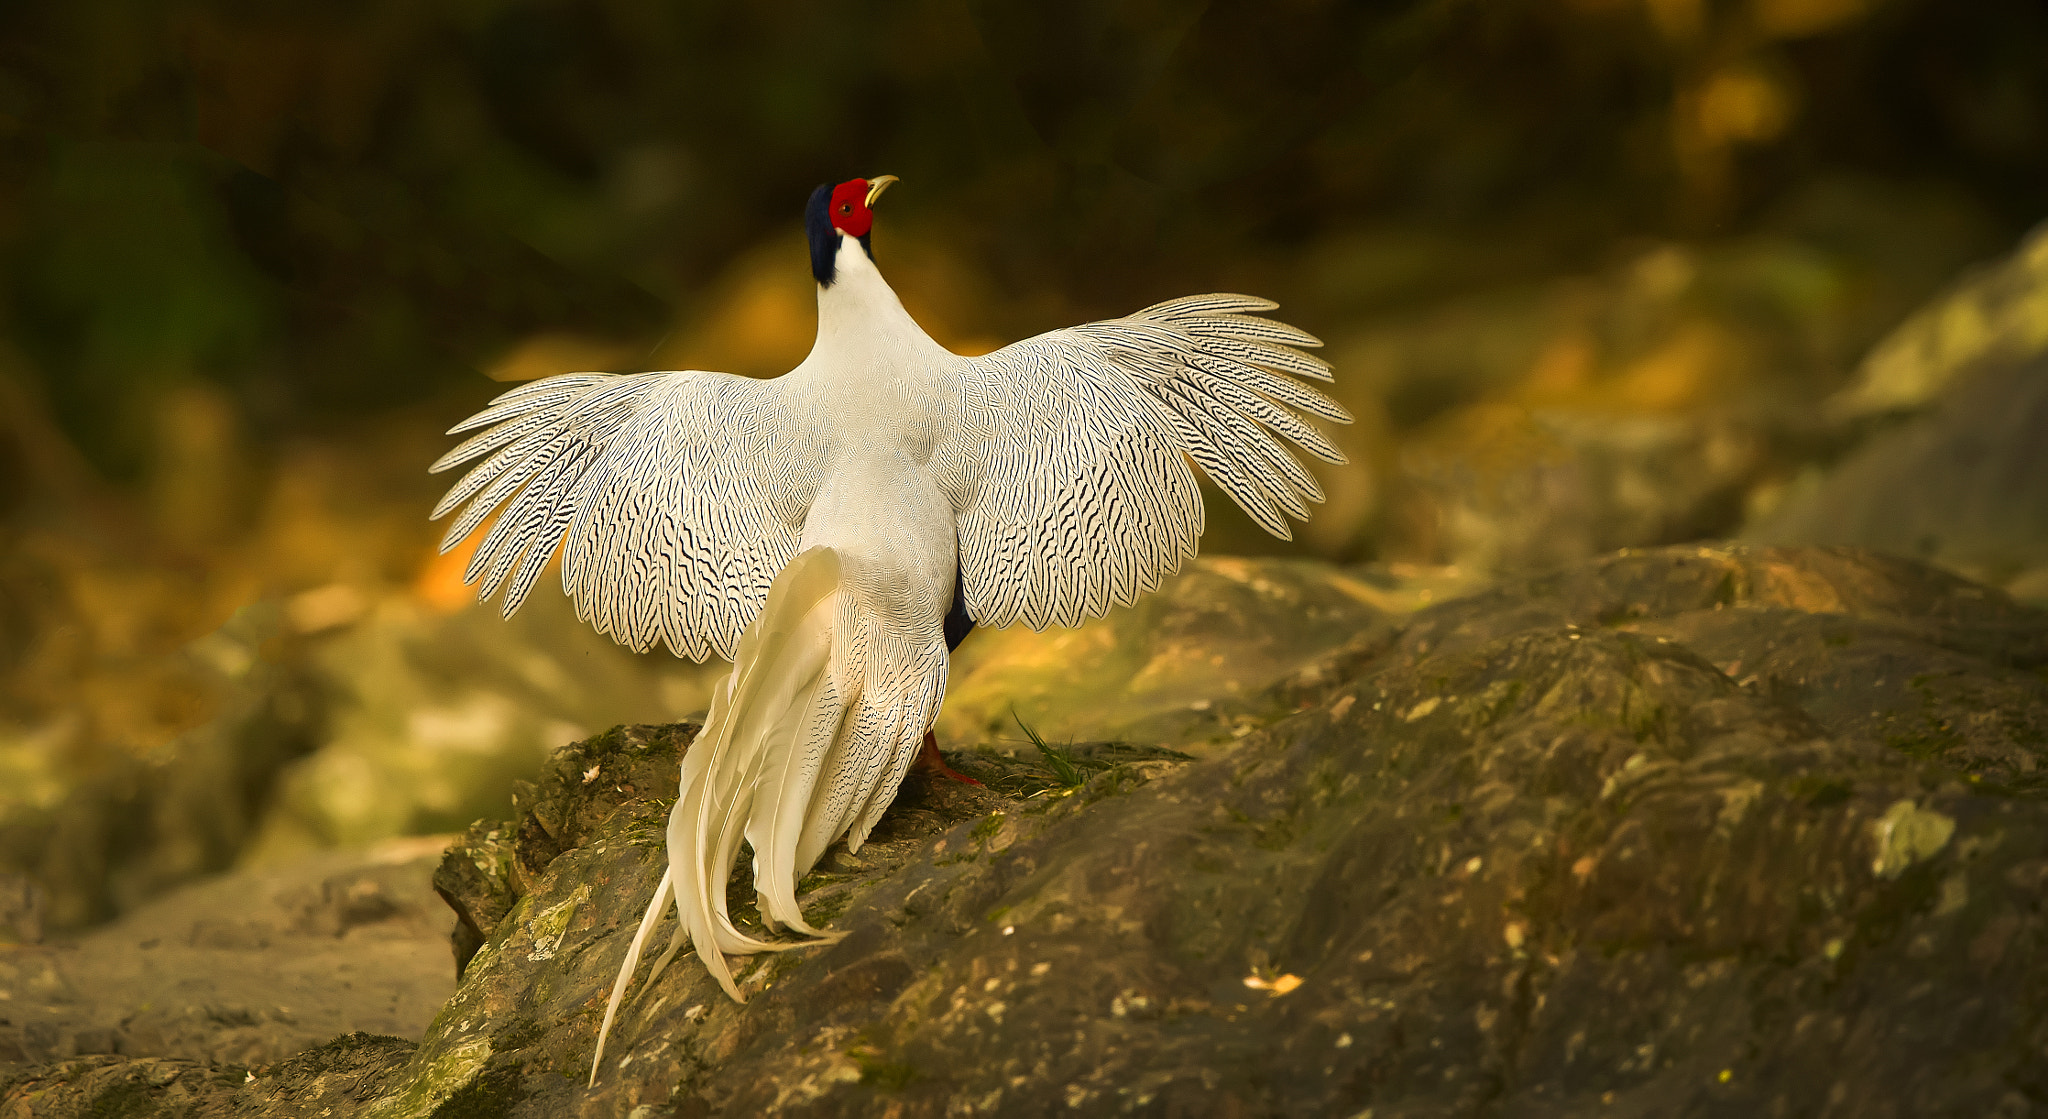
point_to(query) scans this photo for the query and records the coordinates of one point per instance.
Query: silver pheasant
(836, 529)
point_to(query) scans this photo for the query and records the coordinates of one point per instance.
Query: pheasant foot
(932, 764)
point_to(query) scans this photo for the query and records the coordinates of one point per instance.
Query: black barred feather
(673, 498)
(533, 396)
(1219, 303)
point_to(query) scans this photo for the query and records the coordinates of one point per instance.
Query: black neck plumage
(824, 236)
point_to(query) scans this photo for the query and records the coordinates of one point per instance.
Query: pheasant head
(839, 212)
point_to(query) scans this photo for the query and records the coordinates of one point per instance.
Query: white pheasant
(837, 529)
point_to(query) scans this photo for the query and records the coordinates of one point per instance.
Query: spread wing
(674, 498)
(1067, 458)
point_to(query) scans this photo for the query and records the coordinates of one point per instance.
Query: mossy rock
(1654, 835)
(1627, 836)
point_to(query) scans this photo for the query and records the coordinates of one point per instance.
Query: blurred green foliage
(332, 209)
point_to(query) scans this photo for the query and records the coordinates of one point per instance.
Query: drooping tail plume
(806, 742)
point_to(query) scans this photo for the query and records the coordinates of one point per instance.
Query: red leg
(929, 761)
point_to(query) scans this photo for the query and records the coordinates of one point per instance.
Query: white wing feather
(674, 498)
(1066, 458)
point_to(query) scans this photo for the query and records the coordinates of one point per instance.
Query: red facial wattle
(850, 213)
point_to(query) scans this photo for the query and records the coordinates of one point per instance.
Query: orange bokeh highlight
(439, 584)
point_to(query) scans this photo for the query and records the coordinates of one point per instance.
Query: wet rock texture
(1694, 831)
(333, 1079)
(243, 970)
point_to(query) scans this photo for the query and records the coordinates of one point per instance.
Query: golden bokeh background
(1590, 272)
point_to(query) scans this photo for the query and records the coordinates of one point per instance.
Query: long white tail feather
(932, 678)
(611, 1006)
(675, 944)
(790, 786)
(826, 819)
(777, 702)
(861, 788)
(806, 742)
(904, 681)
(778, 657)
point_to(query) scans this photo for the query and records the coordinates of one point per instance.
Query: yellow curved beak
(877, 185)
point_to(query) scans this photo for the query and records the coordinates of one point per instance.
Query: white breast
(894, 531)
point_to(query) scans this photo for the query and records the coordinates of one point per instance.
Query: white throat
(859, 316)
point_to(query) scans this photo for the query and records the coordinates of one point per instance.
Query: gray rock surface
(1964, 484)
(334, 1079)
(1953, 463)
(1695, 831)
(1996, 315)
(241, 970)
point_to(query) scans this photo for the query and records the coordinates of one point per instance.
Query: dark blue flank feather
(958, 624)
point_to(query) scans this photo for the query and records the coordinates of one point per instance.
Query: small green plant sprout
(1062, 766)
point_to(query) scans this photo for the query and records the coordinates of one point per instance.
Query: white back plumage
(812, 527)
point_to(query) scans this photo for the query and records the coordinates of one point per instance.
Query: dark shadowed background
(1593, 274)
